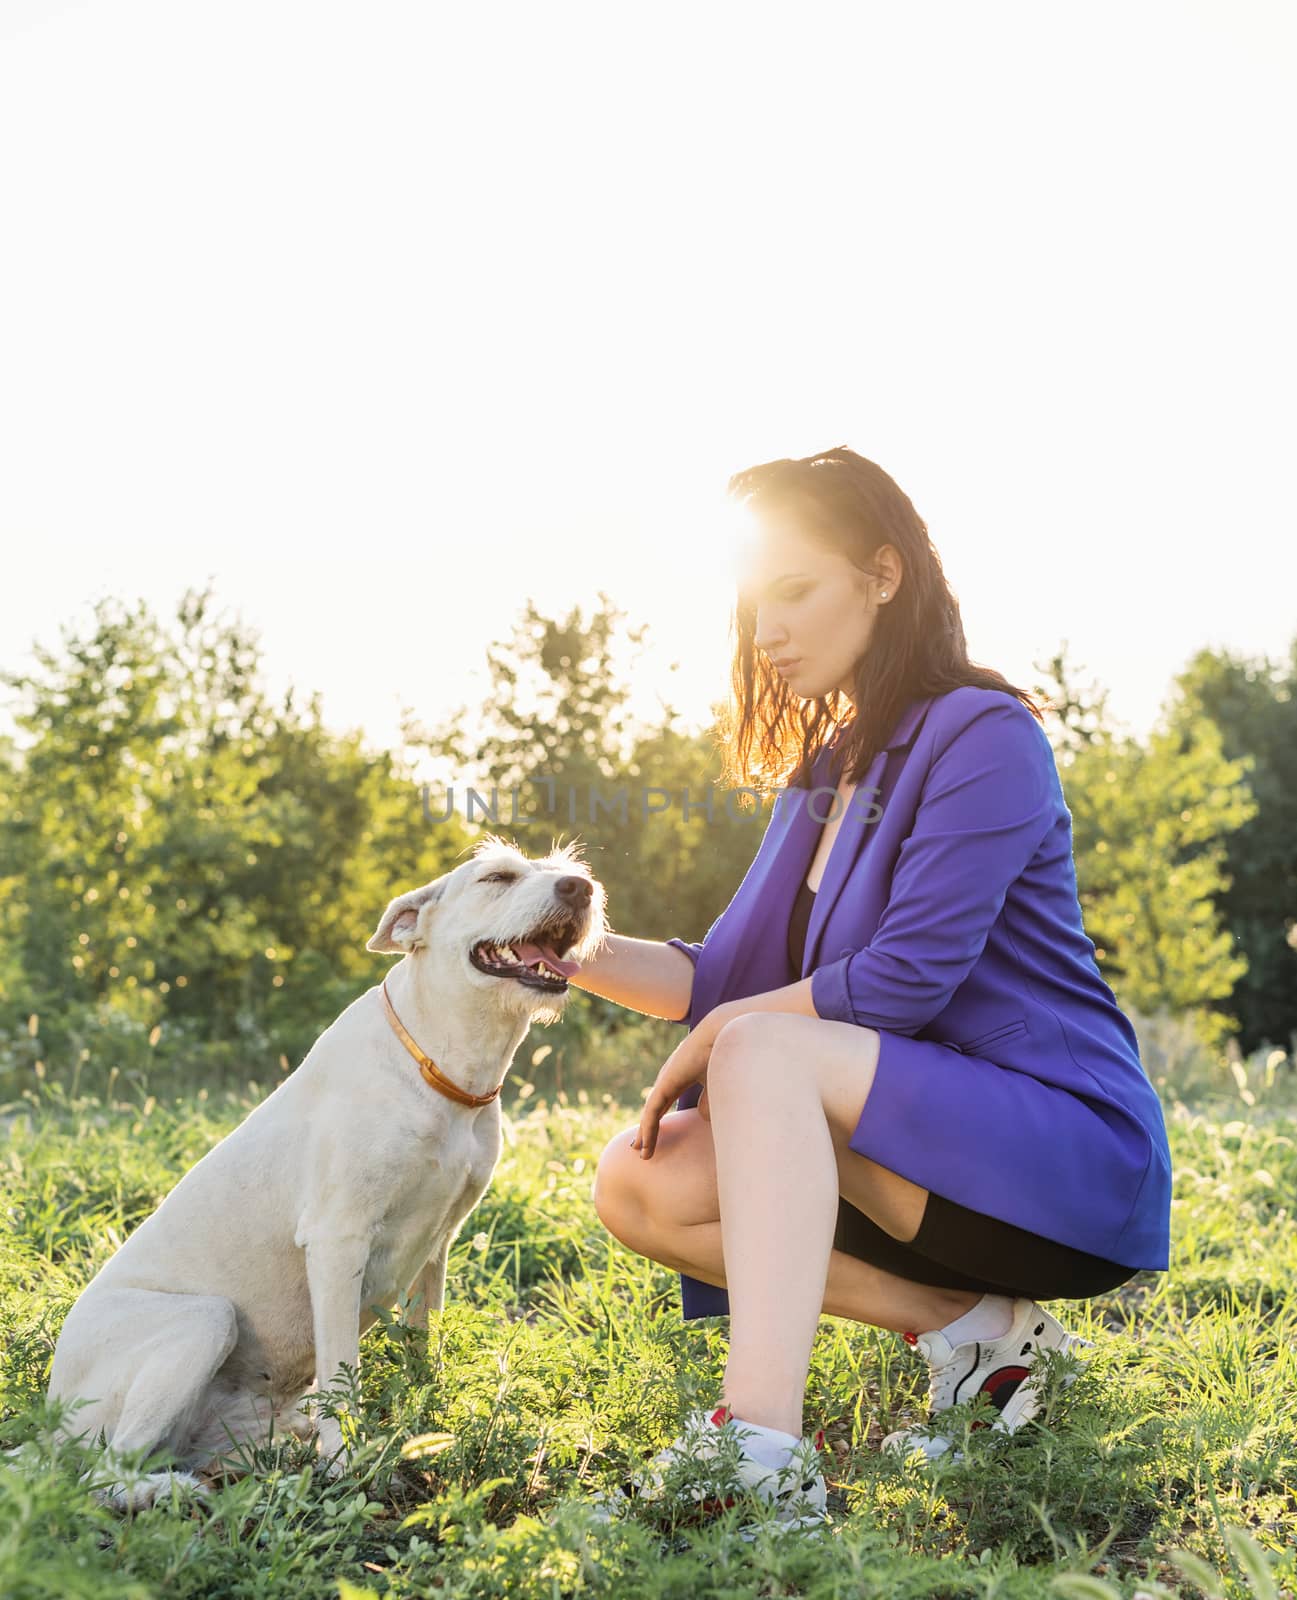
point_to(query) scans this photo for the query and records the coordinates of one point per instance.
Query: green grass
(561, 1359)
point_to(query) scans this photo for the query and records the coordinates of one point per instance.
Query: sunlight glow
(510, 339)
(742, 533)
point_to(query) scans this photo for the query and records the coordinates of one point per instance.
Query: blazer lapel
(850, 840)
(749, 956)
(845, 849)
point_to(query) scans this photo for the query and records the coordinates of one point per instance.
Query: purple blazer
(1009, 1080)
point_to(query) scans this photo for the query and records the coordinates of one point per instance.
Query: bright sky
(385, 318)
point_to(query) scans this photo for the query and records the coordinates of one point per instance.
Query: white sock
(767, 1445)
(990, 1318)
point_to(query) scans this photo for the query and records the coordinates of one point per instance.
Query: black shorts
(956, 1248)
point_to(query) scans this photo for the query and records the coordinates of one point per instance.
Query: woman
(907, 1096)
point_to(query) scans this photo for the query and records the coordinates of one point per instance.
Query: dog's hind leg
(428, 1291)
(153, 1360)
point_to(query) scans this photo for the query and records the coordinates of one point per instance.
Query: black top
(797, 926)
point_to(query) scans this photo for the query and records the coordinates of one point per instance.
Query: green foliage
(1253, 704)
(1149, 824)
(561, 1361)
(185, 862)
(190, 873)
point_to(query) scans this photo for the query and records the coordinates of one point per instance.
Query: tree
(1148, 830)
(555, 724)
(184, 854)
(1253, 705)
(1079, 712)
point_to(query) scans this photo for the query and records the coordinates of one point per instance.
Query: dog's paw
(332, 1451)
(300, 1423)
(141, 1491)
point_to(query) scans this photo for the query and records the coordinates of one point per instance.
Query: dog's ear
(398, 927)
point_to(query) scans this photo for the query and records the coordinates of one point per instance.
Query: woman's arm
(793, 997)
(642, 974)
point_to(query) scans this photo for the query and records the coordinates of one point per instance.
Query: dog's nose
(574, 890)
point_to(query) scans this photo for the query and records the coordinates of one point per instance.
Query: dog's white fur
(260, 1270)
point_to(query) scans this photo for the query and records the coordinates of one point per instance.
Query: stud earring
(883, 595)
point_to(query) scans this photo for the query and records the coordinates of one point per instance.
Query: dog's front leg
(335, 1274)
(428, 1291)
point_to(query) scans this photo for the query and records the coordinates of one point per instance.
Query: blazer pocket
(1006, 1030)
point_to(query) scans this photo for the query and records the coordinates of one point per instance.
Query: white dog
(261, 1269)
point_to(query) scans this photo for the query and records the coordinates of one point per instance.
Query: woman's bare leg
(854, 1289)
(777, 1184)
(778, 1132)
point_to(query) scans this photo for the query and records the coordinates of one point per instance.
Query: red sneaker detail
(910, 1338)
(721, 1414)
(1002, 1383)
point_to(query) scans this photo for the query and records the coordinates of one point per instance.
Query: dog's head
(517, 927)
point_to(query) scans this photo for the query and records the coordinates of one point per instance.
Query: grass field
(561, 1359)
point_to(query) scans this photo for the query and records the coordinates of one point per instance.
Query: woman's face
(815, 610)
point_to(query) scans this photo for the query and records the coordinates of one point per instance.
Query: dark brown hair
(916, 650)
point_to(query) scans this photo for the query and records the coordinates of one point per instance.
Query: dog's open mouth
(533, 961)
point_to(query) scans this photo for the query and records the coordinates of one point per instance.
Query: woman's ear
(400, 929)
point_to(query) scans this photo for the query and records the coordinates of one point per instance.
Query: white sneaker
(708, 1468)
(1000, 1368)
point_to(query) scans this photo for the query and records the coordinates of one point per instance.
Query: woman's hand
(686, 1065)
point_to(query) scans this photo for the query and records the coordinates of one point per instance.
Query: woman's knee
(743, 1039)
(677, 1185)
(618, 1192)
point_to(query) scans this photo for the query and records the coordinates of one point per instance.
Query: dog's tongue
(529, 954)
